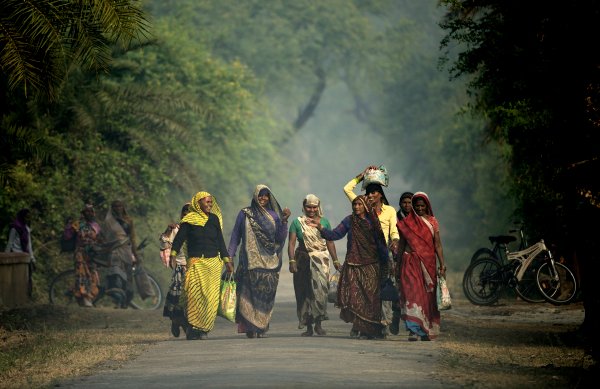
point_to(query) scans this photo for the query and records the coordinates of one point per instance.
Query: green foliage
(385, 53)
(40, 39)
(540, 94)
(167, 121)
(295, 47)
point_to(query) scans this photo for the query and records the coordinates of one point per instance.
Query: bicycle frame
(526, 256)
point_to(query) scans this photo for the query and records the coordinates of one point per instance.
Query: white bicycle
(532, 272)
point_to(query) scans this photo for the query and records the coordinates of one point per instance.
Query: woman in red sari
(420, 244)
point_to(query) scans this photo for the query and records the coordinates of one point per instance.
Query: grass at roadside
(512, 343)
(42, 344)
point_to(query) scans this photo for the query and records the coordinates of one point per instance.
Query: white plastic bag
(443, 295)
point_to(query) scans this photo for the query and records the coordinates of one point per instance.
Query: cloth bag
(376, 176)
(333, 284)
(388, 291)
(142, 282)
(443, 294)
(228, 298)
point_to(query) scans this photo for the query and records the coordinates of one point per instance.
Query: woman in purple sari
(262, 229)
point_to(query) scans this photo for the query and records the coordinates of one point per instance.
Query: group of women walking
(380, 244)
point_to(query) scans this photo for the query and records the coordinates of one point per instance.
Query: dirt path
(513, 344)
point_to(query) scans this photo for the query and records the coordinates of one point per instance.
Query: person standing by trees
(387, 217)
(420, 245)
(310, 266)
(119, 231)
(202, 230)
(86, 275)
(19, 241)
(262, 229)
(359, 284)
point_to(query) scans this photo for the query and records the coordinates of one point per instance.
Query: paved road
(230, 360)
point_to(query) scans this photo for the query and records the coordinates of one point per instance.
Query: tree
(41, 40)
(540, 93)
(297, 47)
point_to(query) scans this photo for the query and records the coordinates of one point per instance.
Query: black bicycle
(61, 288)
(500, 246)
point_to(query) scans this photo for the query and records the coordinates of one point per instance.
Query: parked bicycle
(531, 272)
(61, 288)
(500, 252)
(500, 246)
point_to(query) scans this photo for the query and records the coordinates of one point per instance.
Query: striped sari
(202, 288)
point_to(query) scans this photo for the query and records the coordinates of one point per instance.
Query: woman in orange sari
(420, 245)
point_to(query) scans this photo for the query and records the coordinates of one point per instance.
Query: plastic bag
(376, 176)
(228, 299)
(443, 295)
(333, 283)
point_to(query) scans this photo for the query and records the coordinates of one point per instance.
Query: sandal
(412, 337)
(250, 334)
(175, 329)
(308, 332)
(320, 331)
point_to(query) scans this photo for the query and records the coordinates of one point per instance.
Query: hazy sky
(331, 149)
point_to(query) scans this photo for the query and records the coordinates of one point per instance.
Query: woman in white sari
(310, 265)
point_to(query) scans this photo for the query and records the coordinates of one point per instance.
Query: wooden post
(14, 269)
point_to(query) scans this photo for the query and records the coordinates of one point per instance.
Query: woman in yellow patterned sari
(202, 229)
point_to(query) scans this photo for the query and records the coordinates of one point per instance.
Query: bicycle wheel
(152, 302)
(527, 288)
(558, 290)
(482, 281)
(61, 289)
(484, 252)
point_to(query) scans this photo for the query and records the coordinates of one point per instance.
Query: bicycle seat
(502, 239)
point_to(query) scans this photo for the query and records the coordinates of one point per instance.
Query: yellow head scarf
(196, 216)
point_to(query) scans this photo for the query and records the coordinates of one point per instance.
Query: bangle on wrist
(336, 261)
(292, 261)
